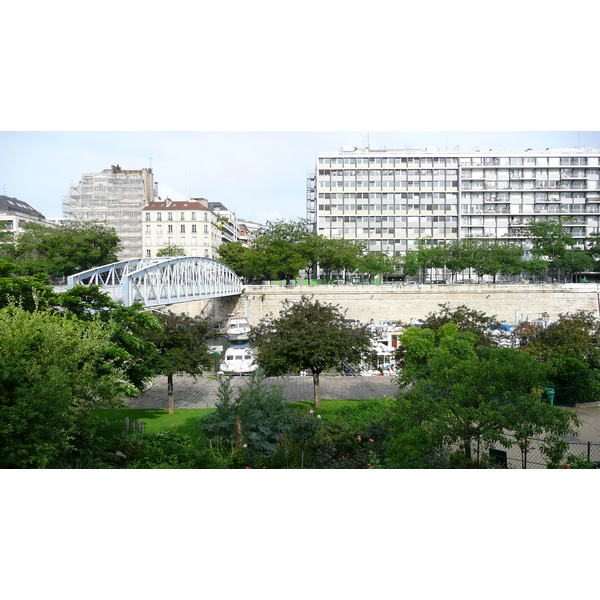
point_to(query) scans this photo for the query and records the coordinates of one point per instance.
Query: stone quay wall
(509, 303)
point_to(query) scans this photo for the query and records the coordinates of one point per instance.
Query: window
(182, 241)
(194, 241)
(206, 229)
(147, 216)
(159, 241)
(158, 216)
(193, 216)
(182, 216)
(169, 216)
(182, 229)
(159, 229)
(147, 228)
(193, 229)
(169, 228)
(148, 253)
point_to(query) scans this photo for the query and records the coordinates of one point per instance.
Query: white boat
(238, 330)
(238, 360)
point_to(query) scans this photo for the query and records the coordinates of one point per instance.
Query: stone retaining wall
(510, 303)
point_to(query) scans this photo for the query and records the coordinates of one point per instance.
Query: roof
(18, 206)
(173, 205)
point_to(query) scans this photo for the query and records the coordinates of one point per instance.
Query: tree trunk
(467, 445)
(170, 394)
(317, 386)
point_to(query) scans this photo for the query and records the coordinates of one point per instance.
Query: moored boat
(238, 330)
(238, 360)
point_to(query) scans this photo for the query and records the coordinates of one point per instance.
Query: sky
(260, 175)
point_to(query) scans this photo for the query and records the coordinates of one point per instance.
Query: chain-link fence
(532, 457)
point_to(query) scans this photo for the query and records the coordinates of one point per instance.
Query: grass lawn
(186, 419)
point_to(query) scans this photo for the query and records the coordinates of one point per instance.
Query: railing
(532, 456)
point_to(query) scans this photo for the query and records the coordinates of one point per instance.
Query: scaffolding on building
(116, 197)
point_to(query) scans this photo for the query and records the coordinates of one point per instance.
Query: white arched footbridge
(160, 281)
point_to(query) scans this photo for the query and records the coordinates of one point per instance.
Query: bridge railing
(155, 282)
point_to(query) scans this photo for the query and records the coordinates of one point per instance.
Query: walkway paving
(202, 392)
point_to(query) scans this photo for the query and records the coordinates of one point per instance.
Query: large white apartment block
(189, 224)
(390, 199)
(116, 197)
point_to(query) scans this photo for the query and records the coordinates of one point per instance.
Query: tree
(575, 261)
(411, 263)
(182, 347)
(431, 256)
(30, 292)
(549, 240)
(459, 256)
(497, 257)
(64, 250)
(171, 250)
(235, 256)
(309, 335)
(310, 248)
(374, 263)
(570, 346)
(473, 397)
(276, 251)
(467, 320)
(129, 327)
(53, 372)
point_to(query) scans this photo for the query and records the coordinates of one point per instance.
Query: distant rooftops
(18, 206)
(191, 204)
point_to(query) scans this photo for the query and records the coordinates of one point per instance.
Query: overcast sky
(259, 175)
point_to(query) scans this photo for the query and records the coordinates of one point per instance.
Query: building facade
(389, 199)
(15, 213)
(191, 225)
(116, 197)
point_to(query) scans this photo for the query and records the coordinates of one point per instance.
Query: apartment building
(116, 197)
(390, 199)
(15, 213)
(191, 225)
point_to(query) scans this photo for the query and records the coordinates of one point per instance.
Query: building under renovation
(116, 197)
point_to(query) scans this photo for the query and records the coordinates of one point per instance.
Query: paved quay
(202, 392)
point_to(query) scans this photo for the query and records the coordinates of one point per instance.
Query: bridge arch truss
(157, 282)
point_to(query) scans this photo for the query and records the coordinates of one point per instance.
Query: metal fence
(534, 458)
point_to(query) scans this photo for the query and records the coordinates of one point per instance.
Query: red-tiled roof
(175, 206)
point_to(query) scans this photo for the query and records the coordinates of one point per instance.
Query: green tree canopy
(472, 397)
(236, 256)
(309, 335)
(60, 251)
(182, 347)
(277, 249)
(53, 372)
(129, 326)
(550, 240)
